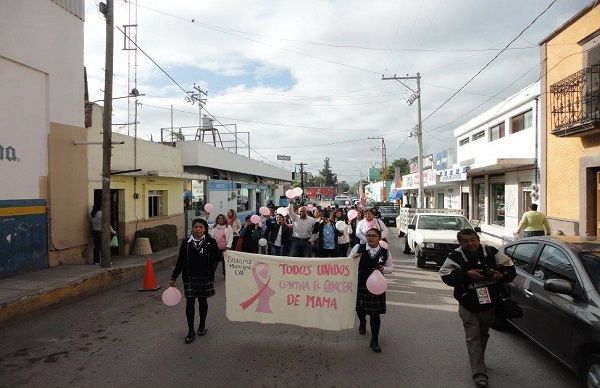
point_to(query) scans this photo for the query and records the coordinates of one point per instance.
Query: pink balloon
(290, 194)
(208, 207)
(171, 296)
(255, 219)
(376, 283)
(383, 244)
(265, 211)
(352, 214)
(283, 211)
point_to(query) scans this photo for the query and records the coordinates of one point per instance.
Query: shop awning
(167, 174)
(499, 164)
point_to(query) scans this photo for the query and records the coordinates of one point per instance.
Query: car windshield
(443, 223)
(389, 209)
(591, 263)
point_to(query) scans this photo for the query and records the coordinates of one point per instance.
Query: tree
(402, 163)
(328, 174)
(343, 187)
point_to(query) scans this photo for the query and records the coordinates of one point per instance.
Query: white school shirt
(388, 266)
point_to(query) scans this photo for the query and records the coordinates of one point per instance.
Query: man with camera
(477, 273)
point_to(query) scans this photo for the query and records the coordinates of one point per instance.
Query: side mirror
(559, 286)
(477, 229)
(413, 227)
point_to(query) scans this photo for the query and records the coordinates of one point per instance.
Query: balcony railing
(576, 103)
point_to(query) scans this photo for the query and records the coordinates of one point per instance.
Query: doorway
(464, 204)
(440, 201)
(115, 214)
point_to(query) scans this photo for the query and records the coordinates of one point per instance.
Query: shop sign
(427, 163)
(454, 174)
(411, 181)
(8, 153)
(441, 160)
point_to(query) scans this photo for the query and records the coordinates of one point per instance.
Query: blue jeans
(300, 248)
(274, 250)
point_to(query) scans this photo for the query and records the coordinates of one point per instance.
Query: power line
(490, 62)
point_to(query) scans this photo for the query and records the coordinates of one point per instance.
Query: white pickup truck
(432, 236)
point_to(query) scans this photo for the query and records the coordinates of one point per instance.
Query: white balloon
(262, 242)
(298, 191)
(340, 225)
(283, 211)
(352, 214)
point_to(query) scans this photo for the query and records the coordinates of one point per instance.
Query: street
(126, 338)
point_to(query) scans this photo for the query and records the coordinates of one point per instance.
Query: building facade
(571, 106)
(499, 150)
(42, 112)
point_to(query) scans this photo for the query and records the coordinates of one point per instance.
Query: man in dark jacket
(477, 273)
(278, 236)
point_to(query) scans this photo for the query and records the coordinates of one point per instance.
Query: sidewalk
(30, 292)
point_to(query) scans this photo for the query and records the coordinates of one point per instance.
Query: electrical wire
(490, 62)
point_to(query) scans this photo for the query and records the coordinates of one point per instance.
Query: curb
(70, 292)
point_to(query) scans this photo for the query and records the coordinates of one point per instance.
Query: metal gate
(23, 236)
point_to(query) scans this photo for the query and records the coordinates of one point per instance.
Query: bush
(157, 237)
(171, 234)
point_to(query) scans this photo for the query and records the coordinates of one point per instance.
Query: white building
(501, 150)
(234, 181)
(42, 112)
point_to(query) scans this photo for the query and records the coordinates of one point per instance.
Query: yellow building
(571, 97)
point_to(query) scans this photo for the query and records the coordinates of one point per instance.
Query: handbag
(114, 242)
(507, 308)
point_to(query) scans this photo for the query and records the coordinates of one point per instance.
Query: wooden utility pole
(302, 179)
(419, 128)
(108, 10)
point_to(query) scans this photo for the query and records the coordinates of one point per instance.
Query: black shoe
(189, 338)
(362, 328)
(201, 331)
(375, 346)
(480, 380)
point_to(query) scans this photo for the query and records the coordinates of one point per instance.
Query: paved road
(126, 338)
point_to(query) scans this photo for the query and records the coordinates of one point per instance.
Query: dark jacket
(251, 235)
(196, 263)
(318, 230)
(454, 273)
(368, 264)
(273, 230)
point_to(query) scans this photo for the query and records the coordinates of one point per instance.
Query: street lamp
(133, 93)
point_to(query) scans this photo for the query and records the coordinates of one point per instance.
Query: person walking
(533, 223)
(344, 238)
(373, 257)
(370, 222)
(236, 226)
(278, 236)
(326, 242)
(477, 272)
(223, 234)
(197, 260)
(302, 227)
(353, 224)
(250, 234)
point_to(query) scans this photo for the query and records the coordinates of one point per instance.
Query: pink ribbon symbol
(264, 292)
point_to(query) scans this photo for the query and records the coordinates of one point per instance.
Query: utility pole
(383, 165)
(108, 10)
(302, 164)
(419, 128)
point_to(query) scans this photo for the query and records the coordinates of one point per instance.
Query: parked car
(432, 236)
(342, 201)
(558, 288)
(388, 214)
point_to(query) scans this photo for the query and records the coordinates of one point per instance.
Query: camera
(487, 272)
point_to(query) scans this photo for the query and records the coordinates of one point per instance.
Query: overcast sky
(304, 77)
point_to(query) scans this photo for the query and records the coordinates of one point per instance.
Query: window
(497, 132)
(525, 198)
(478, 135)
(520, 122)
(156, 203)
(479, 201)
(464, 141)
(522, 254)
(554, 264)
(497, 206)
(242, 198)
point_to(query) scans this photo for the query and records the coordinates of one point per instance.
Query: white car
(432, 236)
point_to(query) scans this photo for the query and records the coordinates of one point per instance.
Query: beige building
(147, 183)
(571, 101)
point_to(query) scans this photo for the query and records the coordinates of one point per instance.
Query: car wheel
(420, 258)
(592, 371)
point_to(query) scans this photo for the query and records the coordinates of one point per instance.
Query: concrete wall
(195, 153)
(23, 89)
(43, 36)
(564, 184)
